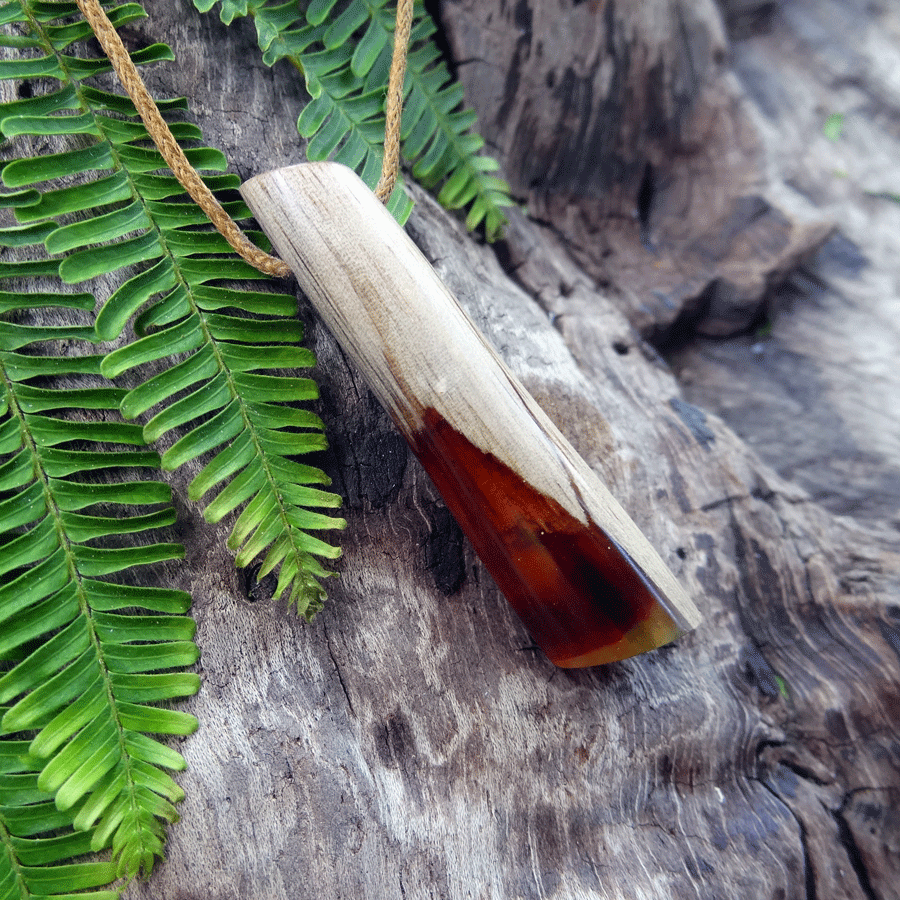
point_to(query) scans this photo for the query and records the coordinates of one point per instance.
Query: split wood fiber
(582, 577)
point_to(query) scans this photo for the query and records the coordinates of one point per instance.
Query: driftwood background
(702, 291)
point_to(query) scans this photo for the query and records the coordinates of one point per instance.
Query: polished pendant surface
(582, 577)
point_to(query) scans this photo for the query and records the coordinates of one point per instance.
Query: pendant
(584, 580)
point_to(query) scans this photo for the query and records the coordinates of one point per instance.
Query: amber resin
(580, 595)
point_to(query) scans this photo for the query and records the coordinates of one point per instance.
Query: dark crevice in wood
(256, 589)
(746, 18)
(759, 671)
(809, 876)
(803, 772)
(644, 201)
(845, 834)
(667, 339)
(766, 496)
(337, 670)
(724, 501)
(504, 256)
(444, 550)
(433, 8)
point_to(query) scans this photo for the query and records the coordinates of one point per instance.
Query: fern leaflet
(85, 655)
(344, 54)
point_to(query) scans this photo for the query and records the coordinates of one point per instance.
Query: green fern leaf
(343, 52)
(67, 634)
(132, 215)
(86, 659)
(35, 837)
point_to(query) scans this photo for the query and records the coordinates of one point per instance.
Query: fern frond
(343, 50)
(226, 395)
(87, 658)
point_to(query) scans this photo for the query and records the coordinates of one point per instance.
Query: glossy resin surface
(583, 599)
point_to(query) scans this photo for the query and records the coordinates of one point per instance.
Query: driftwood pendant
(584, 580)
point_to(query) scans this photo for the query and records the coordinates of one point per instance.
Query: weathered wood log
(624, 130)
(827, 361)
(412, 742)
(746, 17)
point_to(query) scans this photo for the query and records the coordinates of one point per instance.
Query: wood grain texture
(623, 129)
(828, 363)
(411, 742)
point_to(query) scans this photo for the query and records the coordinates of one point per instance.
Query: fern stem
(271, 481)
(249, 426)
(138, 851)
(13, 860)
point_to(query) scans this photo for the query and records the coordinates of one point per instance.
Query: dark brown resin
(580, 595)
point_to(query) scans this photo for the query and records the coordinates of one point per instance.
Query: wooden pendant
(584, 580)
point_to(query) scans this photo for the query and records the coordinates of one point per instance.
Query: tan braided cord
(168, 146)
(394, 107)
(187, 175)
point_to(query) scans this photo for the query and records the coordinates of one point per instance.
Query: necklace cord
(390, 165)
(187, 175)
(167, 145)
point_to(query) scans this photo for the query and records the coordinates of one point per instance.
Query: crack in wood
(845, 834)
(337, 670)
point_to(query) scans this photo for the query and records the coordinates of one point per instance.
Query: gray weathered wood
(828, 364)
(623, 128)
(412, 742)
